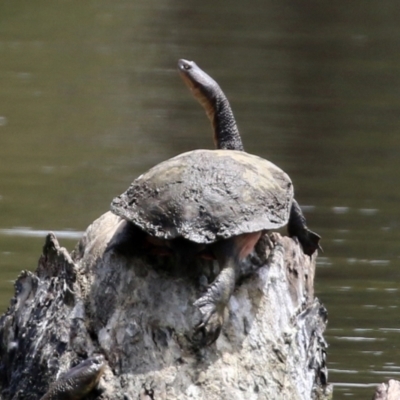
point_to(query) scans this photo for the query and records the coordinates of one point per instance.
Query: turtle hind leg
(310, 242)
(297, 227)
(212, 304)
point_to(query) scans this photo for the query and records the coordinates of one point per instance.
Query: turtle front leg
(212, 304)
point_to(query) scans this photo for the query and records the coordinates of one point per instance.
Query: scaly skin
(215, 103)
(78, 381)
(227, 136)
(212, 304)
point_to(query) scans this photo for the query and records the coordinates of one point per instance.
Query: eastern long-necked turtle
(218, 199)
(226, 136)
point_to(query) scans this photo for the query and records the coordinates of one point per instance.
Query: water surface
(90, 98)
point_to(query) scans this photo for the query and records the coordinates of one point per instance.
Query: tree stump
(136, 309)
(388, 391)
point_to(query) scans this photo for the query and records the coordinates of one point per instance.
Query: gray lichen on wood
(137, 310)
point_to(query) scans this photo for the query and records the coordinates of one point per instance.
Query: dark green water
(90, 98)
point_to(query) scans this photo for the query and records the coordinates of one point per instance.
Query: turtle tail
(297, 227)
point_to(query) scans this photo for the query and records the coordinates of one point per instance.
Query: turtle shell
(207, 195)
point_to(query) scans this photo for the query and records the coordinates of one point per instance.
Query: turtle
(226, 136)
(215, 201)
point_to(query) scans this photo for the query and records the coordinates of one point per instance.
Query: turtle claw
(209, 327)
(207, 308)
(206, 336)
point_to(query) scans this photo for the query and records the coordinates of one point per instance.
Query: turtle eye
(187, 66)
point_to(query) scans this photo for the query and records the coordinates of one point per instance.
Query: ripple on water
(343, 371)
(353, 260)
(385, 372)
(28, 232)
(389, 366)
(340, 210)
(359, 385)
(359, 339)
(362, 211)
(323, 261)
(368, 211)
(372, 352)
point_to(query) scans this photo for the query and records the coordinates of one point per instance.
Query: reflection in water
(90, 98)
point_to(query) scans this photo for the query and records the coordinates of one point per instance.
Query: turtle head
(209, 94)
(204, 88)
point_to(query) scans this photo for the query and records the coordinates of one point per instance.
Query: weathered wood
(388, 391)
(137, 310)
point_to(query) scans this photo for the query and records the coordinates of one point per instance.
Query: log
(388, 391)
(114, 298)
